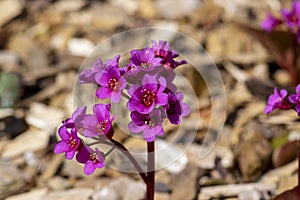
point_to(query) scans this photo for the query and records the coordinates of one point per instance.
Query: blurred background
(44, 42)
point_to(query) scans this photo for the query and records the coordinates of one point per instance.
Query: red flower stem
(150, 171)
(295, 71)
(132, 160)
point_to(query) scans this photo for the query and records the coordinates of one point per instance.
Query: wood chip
(10, 9)
(44, 117)
(52, 167)
(38, 194)
(31, 140)
(211, 192)
(184, 183)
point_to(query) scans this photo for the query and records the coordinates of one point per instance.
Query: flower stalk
(290, 18)
(150, 171)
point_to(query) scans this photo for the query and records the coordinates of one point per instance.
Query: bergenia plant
(281, 100)
(284, 55)
(146, 82)
(289, 17)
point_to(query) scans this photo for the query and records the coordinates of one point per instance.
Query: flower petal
(78, 116)
(103, 80)
(174, 119)
(268, 109)
(103, 92)
(133, 127)
(122, 83)
(162, 99)
(179, 96)
(69, 155)
(138, 118)
(159, 130)
(296, 8)
(101, 112)
(149, 134)
(298, 87)
(133, 89)
(298, 109)
(132, 104)
(63, 133)
(294, 98)
(273, 99)
(89, 168)
(270, 23)
(87, 76)
(185, 109)
(61, 147)
(115, 96)
(283, 93)
(83, 154)
(276, 91)
(90, 126)
(113, 62)
(162, 84)
(114, 73)
(147, 79)
(145, 110)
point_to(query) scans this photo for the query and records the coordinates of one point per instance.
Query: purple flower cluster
(147, 83)
(290, 17)
(153, 96)
(281, 100)
(97, 125)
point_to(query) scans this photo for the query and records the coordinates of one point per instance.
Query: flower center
(93, 157)
(101, 127)
(146, 65)
(150, 123)
(148, 97)
(113, 84)
(72, 142)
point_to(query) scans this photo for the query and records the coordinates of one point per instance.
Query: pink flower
(111, 85)
(270, 23)
(99, 124)
(162, 50)
(144, 98)
(69, 144)
(89, 75)
(145, 59)
(176, 108)
(92, 159)
(292, 17)
(150, 124)
(277, 101)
